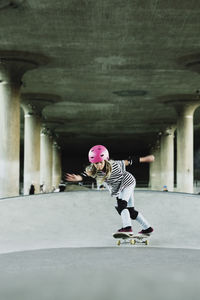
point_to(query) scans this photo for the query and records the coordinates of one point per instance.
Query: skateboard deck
(127, 238)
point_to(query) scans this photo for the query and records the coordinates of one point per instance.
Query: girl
(119, 182)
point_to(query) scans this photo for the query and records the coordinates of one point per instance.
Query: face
(100, 165)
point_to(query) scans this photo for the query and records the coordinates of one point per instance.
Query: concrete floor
(60, 246)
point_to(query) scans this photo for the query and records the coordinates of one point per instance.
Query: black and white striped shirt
(119, 178)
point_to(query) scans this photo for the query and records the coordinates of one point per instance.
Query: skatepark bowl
(60, 246)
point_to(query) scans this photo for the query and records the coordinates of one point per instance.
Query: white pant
(128, 195)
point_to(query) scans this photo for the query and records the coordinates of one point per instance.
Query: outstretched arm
(144, 159)
(84, 177)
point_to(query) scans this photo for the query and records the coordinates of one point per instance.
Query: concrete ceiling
(111, 62)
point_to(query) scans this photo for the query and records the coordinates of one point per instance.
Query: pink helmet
(97, 154)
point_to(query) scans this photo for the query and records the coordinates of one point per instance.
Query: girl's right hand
(73, 177)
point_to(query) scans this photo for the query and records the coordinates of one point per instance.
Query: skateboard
(126, 238)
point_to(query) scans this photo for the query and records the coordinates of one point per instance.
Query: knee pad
(121, 205)
(133, 213)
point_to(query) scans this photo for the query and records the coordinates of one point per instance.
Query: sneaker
(126, 230)
(147, 231)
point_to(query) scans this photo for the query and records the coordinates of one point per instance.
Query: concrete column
(10, 137)
(151, 172)
(46, 159)
(55, 164)
(12, 68)
(57, 168)
(33, 105)
(185, 106)
(155, 168)
(167, 158)
(185, 144)
(32, 122)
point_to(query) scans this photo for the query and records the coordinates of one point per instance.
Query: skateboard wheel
(146, 242)
(132, 242)
(118, 243)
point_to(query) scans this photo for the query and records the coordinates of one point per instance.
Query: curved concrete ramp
(86, 263)
(88, 219)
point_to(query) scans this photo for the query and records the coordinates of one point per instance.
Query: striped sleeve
(121, 164)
